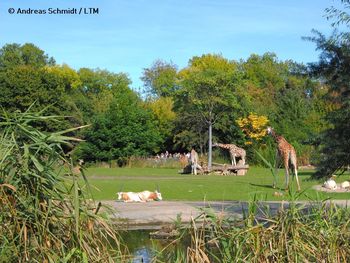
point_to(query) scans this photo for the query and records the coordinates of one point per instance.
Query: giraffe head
(269, 130)
(215, 144)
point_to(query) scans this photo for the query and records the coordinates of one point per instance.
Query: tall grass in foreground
(318, 232)
(45, 215)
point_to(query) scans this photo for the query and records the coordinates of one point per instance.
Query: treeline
(176, 106)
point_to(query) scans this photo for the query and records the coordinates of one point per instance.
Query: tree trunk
(210, 146)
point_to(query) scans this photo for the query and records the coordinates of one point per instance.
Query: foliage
(98, 89)
(207, 92)
(27, 75)
(162, 109)
(254, 127)
(334, 68)
(13, 55)
(340, 16)
(263, 77)
(318, 232)
(160, 79)
(207, 85)
(182, 105)
(126, 129)
(46, 215)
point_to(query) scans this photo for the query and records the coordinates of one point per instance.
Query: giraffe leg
(295, 169)
(276, 169)
(286, 170)
(233, 159)
(286, 179)
(296, 177)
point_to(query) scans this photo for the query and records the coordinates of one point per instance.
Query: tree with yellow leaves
(253, 126)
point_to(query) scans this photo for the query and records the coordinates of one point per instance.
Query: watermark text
(55, 11)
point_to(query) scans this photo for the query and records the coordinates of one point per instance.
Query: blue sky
(127, 36)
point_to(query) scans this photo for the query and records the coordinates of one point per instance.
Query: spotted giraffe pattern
(234, 150)
(286, 152)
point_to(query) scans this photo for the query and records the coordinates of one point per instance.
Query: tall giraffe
(234, 150)
(286, 152)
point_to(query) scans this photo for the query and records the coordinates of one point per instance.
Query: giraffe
(194, 161)
(234, 150)
(286, 152)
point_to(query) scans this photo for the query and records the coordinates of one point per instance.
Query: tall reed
(298, 232)
(47, 214)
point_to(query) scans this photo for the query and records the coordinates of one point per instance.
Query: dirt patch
(338, 190)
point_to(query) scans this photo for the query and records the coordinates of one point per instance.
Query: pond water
(141, 246)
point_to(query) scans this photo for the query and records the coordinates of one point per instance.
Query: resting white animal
(129, 197)
(345, 184)
(330, 184)
(144, 196)
(151, 196)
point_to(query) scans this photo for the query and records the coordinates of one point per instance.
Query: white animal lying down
(330, 184)
(144, 196)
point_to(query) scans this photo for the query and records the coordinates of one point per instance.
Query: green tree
(263, 77)
(208, 89)
(334, 68)
(162, 109)
(98, 89)
(160, 79)
(125, 129)
(28, 75)
(13, 55)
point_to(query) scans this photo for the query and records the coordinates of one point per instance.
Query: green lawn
(174, 186)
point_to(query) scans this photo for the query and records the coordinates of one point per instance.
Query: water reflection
(141, 246)
(142, 255)
(144, 249)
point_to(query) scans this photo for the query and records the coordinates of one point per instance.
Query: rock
(345, 184)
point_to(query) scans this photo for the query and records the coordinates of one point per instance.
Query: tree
(263, 77)
(13, 55)
(162, 109)
(254, 127)
(28, 75)
(333, 68)
(208, 86)
(125, 129)
(98, 90)
(160, 79)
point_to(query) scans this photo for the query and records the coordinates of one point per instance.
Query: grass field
(106, 182)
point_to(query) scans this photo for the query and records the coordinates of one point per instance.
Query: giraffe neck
(280, 140)
(225, 146)
(275, 136)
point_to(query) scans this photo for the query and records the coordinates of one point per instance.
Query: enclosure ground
(153, 215)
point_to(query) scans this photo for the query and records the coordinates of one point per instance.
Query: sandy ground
(153, 215)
